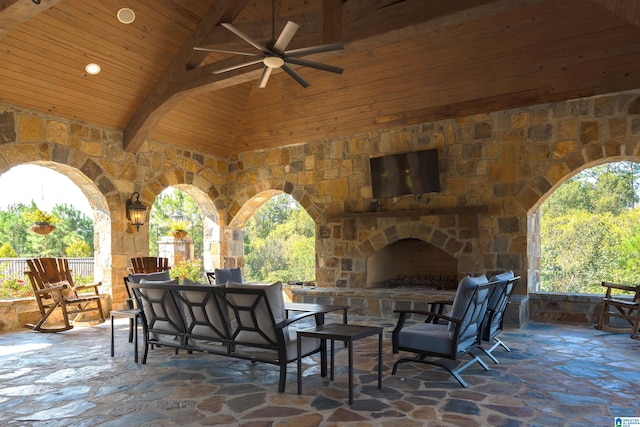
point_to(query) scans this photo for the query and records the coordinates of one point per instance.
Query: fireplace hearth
(438, 282)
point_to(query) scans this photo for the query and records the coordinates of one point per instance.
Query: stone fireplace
(390, 261)
(411, 262)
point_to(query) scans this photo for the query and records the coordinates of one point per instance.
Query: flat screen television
(395, 175)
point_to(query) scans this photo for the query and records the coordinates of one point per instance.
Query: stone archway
(534, 218)
(101, 218)
(211, 238)
(233, 246)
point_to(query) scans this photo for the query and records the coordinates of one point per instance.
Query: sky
(44, 186)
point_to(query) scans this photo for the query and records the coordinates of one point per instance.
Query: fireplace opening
(412, 263)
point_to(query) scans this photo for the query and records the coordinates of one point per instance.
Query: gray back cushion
(162, 314)
(275, 300)
(223, 275)
(465, 290)
(161, 276)
(187, 281)
(204, 311)
(497, 294)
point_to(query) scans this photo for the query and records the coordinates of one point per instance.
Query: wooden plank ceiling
(405, 62)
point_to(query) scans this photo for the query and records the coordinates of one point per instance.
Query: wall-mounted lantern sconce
(136, 211)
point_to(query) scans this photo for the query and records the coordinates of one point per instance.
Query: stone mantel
(468, 210)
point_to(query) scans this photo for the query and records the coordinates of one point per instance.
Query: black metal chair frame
(456, 353)
(494, 318)
(165, 314)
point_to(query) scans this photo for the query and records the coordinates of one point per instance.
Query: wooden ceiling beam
(364, 24)
(310, 28)
(162, 98)
(628, 10)
(15, 12)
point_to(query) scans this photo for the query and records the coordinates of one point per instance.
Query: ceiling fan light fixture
(273, 61)
(126, 15)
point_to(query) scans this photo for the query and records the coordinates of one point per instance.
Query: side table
(340, 332)
(319, 309)
(132, 315)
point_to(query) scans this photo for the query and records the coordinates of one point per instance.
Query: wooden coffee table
(340, 332)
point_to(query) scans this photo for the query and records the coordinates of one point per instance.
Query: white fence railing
(15, 267)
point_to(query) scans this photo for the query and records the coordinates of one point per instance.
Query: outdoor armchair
(458, 336)
(496, 307)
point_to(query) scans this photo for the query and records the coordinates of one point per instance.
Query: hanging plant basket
(43, 228)
(179, 234)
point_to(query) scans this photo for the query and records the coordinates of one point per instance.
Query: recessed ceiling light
(126, 15)
(92, 68)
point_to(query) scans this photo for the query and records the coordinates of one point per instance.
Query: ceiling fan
(274, 54)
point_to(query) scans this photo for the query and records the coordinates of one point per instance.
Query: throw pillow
(67, 292)
(223, 275)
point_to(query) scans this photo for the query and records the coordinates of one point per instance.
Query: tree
(280, 242)
(590, 231)
(575, 194)
(14, 228)
(613, 193)
(168, 204)
(78, 249)
(73, 226)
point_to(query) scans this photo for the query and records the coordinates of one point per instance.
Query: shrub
(191, 270)
(7, 251)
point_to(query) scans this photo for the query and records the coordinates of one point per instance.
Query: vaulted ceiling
(405, 61)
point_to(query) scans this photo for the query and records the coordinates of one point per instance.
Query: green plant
(15, 288)
(178, 226)
(6, 251)
(38, 216)
(186, 269)
(11, 287)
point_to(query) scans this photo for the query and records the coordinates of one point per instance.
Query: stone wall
(94, 159)
(505, 162)
(495, 171)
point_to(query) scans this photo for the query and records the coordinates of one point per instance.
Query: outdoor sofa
(244, 321)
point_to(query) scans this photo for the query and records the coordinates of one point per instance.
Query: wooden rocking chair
(53, 287)
(625, 305)
(149, 264)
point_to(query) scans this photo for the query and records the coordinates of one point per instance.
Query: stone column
(175, 249)
(232, 248)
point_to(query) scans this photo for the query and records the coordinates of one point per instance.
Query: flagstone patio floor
(556, 375)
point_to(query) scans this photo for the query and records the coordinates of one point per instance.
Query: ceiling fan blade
(246, 38)
(314, 49)
(210, 49)
(235, 67)
(316, 65)
(285, 36)
(266, 72)
(297, 77)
